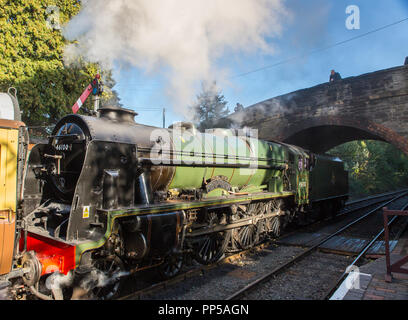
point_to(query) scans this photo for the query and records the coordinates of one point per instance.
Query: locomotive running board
(169, 207)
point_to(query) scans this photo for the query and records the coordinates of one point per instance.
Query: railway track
(364, 252)
(246, 291)
(351, 208)
(365, 202)
(267, 248)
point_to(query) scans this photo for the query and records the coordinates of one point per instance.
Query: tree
(210, 106)
(373, 166)
(31, 59)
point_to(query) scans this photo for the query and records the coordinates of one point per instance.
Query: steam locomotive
(107, 197)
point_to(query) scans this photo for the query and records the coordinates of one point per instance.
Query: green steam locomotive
(107, 196)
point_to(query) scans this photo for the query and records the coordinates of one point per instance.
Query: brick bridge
(372, 106)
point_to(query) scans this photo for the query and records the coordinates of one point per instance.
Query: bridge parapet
(370, 106)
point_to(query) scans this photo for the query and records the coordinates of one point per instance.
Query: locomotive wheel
(246, 237)
(110, 281)
(171, 266)
(232, 245)
(274, 226)
(211, 248)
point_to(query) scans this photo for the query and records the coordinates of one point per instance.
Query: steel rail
(306, 253)
(375, 197)
(199, 270)
(360, 255)
(345, 211)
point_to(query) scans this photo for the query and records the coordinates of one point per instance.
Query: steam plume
(181, 39)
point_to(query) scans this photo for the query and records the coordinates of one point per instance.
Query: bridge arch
(324, 133)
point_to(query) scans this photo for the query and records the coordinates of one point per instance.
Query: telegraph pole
(164, 117)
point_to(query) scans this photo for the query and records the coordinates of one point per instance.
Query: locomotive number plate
(64, 147)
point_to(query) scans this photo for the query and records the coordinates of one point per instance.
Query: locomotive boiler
(107, 197)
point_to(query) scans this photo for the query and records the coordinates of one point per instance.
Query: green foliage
(374, 166)
(31, 59)
(210, 107)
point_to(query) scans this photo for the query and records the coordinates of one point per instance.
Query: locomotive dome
(118, 114)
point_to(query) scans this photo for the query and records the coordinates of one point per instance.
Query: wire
(148, 109)
(320, 49)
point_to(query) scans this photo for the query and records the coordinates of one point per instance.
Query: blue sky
(315, 24)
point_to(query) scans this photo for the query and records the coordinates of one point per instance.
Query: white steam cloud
(181, 39)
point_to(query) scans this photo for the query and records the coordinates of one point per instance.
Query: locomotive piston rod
(229, 226)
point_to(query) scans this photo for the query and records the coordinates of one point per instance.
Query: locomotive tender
(107, 197)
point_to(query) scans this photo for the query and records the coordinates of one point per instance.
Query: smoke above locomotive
(181, 41)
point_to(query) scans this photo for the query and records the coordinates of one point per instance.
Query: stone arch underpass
(372, 106)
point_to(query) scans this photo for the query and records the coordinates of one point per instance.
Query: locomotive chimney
(118, 114)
